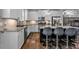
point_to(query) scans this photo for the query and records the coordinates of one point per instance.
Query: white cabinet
(11, 40)
(24, 14)
(5, 13)
(20, 14)
(20, 38)
(16, 13)
(4, 43)
(1, 40)
(11, 13)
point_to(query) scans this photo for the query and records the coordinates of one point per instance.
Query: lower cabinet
(11, 40)
(20, 38)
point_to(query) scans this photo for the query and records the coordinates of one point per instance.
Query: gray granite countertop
(12, 30)
(58, 26)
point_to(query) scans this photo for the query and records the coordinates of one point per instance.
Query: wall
(73, 13)
(34, 14)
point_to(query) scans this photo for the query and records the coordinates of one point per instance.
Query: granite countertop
(12, 30)
(58, 26)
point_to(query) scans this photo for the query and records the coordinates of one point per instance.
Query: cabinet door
(24, 14)
(5, 13)
(16, 13)
(20, 38)
(5, 41)
(11, 40)
(2, 40)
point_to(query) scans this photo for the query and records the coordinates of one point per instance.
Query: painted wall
(34, 14)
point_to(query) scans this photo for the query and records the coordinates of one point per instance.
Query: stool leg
(77, 43)
(46, 42)
(67, 42)
(57, 42)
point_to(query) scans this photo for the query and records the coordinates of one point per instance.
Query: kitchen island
(12, 38)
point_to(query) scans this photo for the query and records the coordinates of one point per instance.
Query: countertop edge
(14, 30)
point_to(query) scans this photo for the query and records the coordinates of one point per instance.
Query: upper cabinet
(25, 11)
(5, 13)
(15, 13)
(19, 14)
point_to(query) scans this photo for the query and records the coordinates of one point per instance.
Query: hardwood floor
(33, 41)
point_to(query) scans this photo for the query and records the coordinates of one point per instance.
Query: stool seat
(77, 32)
(59, 31)
(47, 31)
(70, 31)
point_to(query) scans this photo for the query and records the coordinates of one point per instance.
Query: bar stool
(47, 32)
(77, 39)
(69, 32)
(58, 32)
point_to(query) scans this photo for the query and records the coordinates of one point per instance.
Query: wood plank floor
(32, 42)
